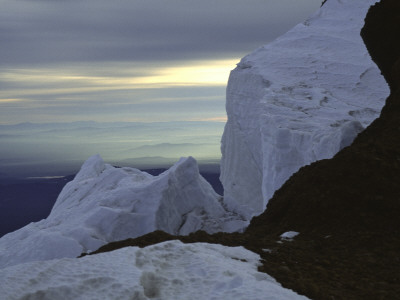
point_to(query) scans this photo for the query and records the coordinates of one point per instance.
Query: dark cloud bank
(66, 31)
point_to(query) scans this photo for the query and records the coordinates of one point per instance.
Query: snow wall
(299, 99)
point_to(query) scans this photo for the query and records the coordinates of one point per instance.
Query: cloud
(144, 30)
(141, 60)
(62, 79)
(129, 91)
(222, 119)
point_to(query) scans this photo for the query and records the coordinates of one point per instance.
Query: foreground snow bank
(169, 270)
(298, 99)
(104, 204)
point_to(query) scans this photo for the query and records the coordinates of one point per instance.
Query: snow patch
(289, 235)
(170, 270)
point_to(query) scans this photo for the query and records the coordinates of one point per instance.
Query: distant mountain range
(54, 149)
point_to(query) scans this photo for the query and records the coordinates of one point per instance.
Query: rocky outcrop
(381, 35)
(358, 188)
(347, 208)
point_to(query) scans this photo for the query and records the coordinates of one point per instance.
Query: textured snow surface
(170, 270)
(298, 99)
(104, 204)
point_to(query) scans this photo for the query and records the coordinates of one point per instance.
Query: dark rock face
(347, 209)
(381, 36)
(354, 198)
(358, 189)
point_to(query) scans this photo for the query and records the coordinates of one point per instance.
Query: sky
(129, 61)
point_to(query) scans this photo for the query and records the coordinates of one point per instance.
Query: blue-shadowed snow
(169, 270)
(296, 100)
(104, 204)
(289, 235)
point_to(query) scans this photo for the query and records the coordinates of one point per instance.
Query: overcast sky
(136, 60)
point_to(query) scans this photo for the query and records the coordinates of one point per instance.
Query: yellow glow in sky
(10, 100)
(222, 119)
(63, 80)
(197, 73)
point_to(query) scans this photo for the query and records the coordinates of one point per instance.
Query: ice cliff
(104, 204)
(296, 100)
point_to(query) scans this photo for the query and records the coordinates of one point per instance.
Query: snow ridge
(296, 100)
(104, 204)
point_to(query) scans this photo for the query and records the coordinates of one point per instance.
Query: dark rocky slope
(346, 209)
(358, 189)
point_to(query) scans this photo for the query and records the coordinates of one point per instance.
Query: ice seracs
(104, 204)
(169, 270)
(296, 100)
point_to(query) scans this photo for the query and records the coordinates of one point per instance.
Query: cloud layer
(129, 60)
(141, 30)
(123, 60)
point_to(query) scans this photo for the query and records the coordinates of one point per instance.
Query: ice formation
(104, 204)
(296, 100)
(169, 270)
(299, 99)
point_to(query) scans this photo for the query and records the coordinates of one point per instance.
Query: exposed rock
(358, 188)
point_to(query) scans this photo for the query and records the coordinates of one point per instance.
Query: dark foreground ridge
(347, 209)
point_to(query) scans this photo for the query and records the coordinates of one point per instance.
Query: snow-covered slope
(169, 270)
(298, 99)
(104, 204)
